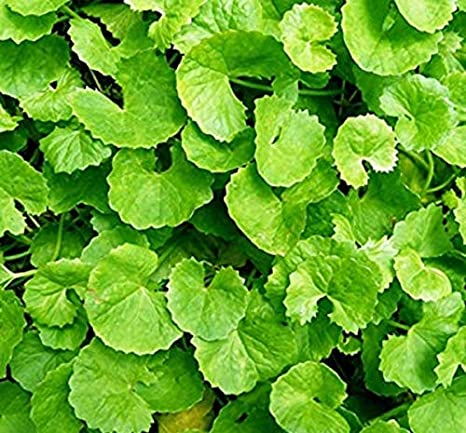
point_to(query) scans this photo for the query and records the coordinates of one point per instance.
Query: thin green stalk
(398, 325)
(23, 239)
(267, 88)
(442, 185)
(430, 172)
(415, 158)
(59, 240)
(68, 11)
(17, 256)
(393, 413)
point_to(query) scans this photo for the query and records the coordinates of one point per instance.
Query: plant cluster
(232, 216)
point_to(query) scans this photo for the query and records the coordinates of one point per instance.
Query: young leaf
(423, 231)
(203, 78)
(123, 307)
(28, 188)
(21, 28)
(283, 133)
(47, 294)
(452, 358)
(427, 15)
(271, 224)
(259, 349)
(425, 114)
(363, 138)
(98, 393)
(34, 7)
(209, 311)
(12, 323)
(304, 30)
(381, 41)
(160, 199)
(209, 154)
(51, 412)
(305, 399)
(14, 409)
(92, 48)
(409, 360)
(50, 55)
(448, 405)
(421, 282)
(69, 149)
(151, 113)
(32, 361)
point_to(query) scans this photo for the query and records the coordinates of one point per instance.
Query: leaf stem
(430, 172)
(415, 158)
(267, 88)
(17, 256)
(59, 240)
(398, 325)
(443, 184)
(393, 413)
(68, 11)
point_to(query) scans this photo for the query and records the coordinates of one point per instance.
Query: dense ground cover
(232, 216)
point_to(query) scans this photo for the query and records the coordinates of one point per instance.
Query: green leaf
(50, 55)
(247, 414)
(363, 138)
(151, 110)
(386, 200)
(421, 282)
(28, 188)
(209, 311)
(441, 411)
(101, 245)
(21, 28)
(217, 157)
(456, 84)
(177, 385)
(384, 427)
(259, 349)
(47, 296)
(425, 114)
(7, 122)
(304, 31)
(272, 224)
(427, 15)
(409, 360)
(283, 133)
(44, 244)
(53, 103)
(381, 41)
(204, 73)
(305, 399)
(92, 48)
(423, 231)
(124, 308)
(106, 398)
(350, 283)
(34, 7)
(51, 411)
(12, 323)
(372, 338)
(14, 409)
(69, 149)
(32, 361)
(452, 358)
(81, 187)
(68, 337)
(451, 149)
(219, 16)
(159, 199)
(175, 14)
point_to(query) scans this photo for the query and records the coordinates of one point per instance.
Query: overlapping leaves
(232, 216)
